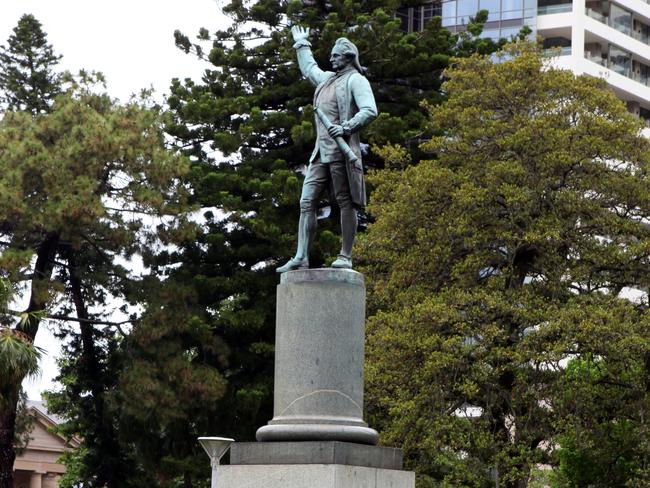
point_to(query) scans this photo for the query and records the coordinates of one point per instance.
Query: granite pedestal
(312, 476)
(319, 354)
(317, 437)
(316, 452)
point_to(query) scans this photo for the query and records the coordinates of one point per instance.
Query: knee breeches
(318, 179)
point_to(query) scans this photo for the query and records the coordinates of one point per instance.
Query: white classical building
(603, 38)
(37, 466)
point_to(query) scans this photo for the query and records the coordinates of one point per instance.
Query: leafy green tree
(27, 78)
(249, 128)
(500, 259)
(74, 186)
(26, 82)
(601, 400)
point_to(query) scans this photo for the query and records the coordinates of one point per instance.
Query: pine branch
(68, 318)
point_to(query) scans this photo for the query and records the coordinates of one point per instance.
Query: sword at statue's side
(349, 155)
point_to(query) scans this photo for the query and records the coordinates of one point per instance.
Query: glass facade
(597, 10)
(642, 73)
(505, 17)
(642, 31)
(546, 7)
(620, 19)
(620, 61)
(414, 19)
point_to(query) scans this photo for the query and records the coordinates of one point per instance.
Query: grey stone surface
(311, 476)
(324, 274)
(345, 453)
(309, 432)
(319, 357)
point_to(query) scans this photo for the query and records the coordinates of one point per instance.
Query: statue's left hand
(335, 131)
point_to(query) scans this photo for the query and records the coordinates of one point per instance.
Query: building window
(503, 15)
(403, 15)
(413, 19)
(621, 19)
(465, 10)
(449, 13)
(620, 61)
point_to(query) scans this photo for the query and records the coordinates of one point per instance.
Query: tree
(604, 439)
(18, 359)
(500, 259)
(27, 79)
(74, 187)
(249, 127)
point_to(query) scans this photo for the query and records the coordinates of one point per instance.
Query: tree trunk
(90, 373)
(38, 300)
(7, 434)
(41, 281)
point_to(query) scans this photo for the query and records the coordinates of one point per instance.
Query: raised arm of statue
(306, 61)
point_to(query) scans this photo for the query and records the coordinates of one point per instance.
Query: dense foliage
(503, 259)
(78, 173)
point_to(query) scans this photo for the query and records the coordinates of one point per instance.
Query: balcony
(619, 61)
(597, 15)
(558, 51)
(557, 46)
(620, 19)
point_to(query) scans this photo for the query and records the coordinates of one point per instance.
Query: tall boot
(306, 230)
(348, 231)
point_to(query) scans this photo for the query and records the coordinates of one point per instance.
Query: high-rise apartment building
(608, 39)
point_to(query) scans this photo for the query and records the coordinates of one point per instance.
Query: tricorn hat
(347, 47)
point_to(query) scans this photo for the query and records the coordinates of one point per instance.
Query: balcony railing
(628, 31)
(596, 15)
(644, 80)
(596, 59)
(623, 70)
(558, 51)
(555, 9)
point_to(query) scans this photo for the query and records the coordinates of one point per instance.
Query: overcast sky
(132, 43)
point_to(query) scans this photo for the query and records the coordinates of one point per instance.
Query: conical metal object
(215, 447)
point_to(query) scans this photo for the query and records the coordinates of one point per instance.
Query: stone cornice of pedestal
(316, 452)
(323, 275)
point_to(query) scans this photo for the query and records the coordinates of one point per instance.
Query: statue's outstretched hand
(299, 33)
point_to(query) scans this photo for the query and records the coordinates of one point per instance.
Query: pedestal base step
(316, 452)
(312, 476)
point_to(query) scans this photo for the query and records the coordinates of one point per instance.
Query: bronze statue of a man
(344, 104)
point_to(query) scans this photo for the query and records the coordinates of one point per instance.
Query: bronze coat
(357, 108)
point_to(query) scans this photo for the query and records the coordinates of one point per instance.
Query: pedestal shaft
(319, 358)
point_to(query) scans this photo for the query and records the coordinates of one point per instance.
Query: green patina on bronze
(344, 104)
